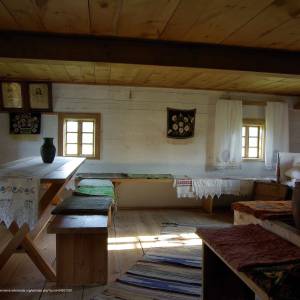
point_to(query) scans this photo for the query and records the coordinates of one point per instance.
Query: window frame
(261, 138)
(63, 117)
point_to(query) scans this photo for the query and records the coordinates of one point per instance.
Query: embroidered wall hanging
(25, 123)
(181, 123)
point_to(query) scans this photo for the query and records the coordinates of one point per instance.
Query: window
(79, 135)
(253, 139)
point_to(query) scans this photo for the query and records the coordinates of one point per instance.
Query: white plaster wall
(133, 135)
(18, 146)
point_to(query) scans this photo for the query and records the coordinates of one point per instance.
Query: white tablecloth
(205, 187)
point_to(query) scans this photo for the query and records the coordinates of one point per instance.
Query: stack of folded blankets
(91, 197)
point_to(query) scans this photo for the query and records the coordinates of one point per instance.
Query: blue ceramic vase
(48, 150)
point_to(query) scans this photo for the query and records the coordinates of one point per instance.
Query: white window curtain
(228, 134)
(277, 132)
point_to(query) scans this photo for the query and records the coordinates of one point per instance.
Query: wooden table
(55, 176)
(81, 249)
(222, 281)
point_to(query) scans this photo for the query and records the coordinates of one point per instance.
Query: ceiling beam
(147, 52)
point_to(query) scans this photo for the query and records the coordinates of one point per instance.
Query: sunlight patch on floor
(153, 241)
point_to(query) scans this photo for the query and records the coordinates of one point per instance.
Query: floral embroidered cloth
(19, 198)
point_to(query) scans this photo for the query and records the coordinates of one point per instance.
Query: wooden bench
(82, 205)
(81, 249)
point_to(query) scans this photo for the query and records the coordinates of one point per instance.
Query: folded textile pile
(19, 199)
(265, 209)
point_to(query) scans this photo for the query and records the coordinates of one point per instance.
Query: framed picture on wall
(180, 123)
(12, 96)
(40, 96)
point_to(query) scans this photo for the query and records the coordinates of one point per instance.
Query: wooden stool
(81, 249)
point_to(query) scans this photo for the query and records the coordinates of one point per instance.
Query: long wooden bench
(81, 249)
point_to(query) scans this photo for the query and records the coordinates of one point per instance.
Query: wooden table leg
(219, 282)
(42, 222)
(50, 194)
(45, 208)
(14, 243)
(34, 254)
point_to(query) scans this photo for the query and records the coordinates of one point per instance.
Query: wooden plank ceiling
(249, 23)
(148, 76)
(255, 23)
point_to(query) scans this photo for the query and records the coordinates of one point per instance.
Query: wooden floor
(130, 225)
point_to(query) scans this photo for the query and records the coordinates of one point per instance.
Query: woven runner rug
(171, 270)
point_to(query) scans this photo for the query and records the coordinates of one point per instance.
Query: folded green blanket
(96, 191)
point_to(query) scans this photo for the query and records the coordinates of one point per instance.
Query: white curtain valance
(277, 132)
(228, 134)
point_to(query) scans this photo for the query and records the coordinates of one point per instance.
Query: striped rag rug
(169, 271)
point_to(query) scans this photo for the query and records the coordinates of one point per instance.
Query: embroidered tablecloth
(19, 198)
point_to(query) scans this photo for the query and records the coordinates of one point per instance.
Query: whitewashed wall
(17, 146)
(133, 134)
